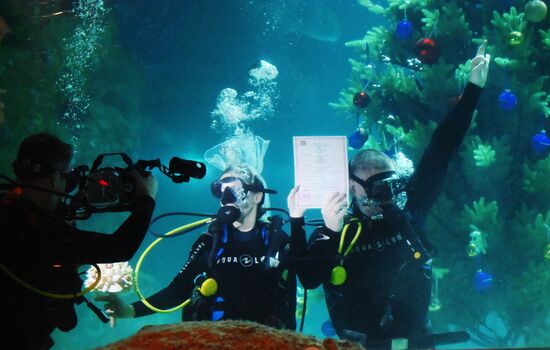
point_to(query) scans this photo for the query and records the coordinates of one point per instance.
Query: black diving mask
(232, 189)
(229, 190)
(382, 188)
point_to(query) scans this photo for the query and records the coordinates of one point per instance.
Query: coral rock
(225, 335)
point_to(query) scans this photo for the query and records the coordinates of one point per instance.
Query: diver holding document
(374, 260)
(320, 164)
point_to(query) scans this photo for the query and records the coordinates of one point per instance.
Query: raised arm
(425, 185)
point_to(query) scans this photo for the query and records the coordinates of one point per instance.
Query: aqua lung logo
(379, 245)
(245, 260)
(193, 256)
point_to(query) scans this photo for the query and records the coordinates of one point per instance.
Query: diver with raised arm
(375, 264)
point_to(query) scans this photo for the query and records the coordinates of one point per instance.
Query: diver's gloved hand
(294, 211)
(480, 66)
(145, 185)
(333, 211)
(115, 306)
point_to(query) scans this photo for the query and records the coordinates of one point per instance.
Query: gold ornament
(478, 242)
(435, 304)
(515, 38)
(473, 250)
(535, 11)
(547, 255)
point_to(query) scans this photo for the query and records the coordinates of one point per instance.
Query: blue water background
(189, 51)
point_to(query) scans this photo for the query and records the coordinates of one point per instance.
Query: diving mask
(233, 189)
(230, 190)
(382, 188)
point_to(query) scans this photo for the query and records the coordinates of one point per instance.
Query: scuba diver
(375, 264)
(247, 257)
(40, 251)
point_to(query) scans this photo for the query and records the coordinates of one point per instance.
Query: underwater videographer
(41, 251)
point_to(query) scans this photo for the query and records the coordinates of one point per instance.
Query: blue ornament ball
(483, 281)
(507, 101)
(404, 29)
(357, 139)
(328, 329)
(540, 143)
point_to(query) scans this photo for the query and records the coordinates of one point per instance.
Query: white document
(320, 168)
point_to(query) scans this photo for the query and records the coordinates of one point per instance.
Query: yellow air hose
(53, 295)
(209, 286)
(338, 274)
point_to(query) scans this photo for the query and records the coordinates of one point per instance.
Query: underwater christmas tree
(491, 224)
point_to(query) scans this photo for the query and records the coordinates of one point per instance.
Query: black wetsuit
(45, 252)
(383, 277)
(254, 280)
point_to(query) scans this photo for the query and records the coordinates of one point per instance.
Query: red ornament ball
(427, 50)
(361, 99)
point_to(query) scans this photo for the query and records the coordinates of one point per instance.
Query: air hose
(208, 287)
(49, 294)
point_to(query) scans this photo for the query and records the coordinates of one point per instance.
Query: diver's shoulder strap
(277, 237)
(219, 238)
(417, 236)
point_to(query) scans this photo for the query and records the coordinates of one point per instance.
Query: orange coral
(225, 335)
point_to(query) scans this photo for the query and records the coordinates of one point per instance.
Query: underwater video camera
(112, 189)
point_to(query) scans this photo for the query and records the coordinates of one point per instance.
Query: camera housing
(113, 189)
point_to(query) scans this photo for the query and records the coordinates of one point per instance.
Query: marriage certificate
(320, 168)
